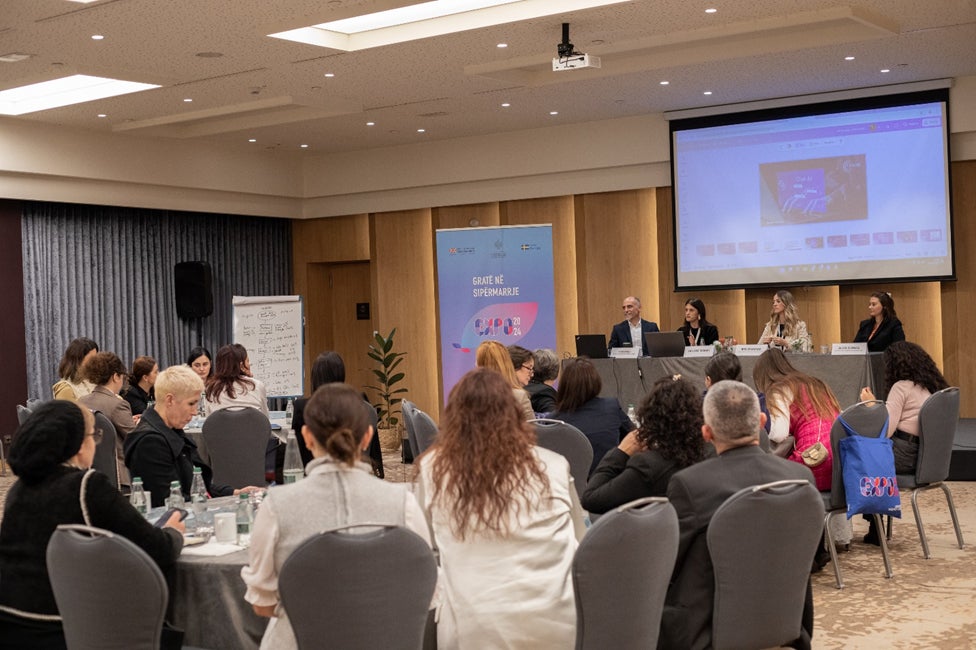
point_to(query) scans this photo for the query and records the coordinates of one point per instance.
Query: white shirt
(637, 337)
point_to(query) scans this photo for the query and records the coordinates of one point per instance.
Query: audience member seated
(72, 383)
(523, 363)
(726, 365)
(494, 356)
(785, 330)
(600, 419)
(328, 369)
(669, 439)
(732, 424)
(201, 361)
(633, 326)
(51, 455)
(542, 394)
(801, 406)
(882, 327)
(232, 384)
(697, 330)
(141, 381)
(506, 521)
(107, 373)
(338, 491)
(158, 451)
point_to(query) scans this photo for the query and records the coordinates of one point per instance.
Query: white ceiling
(452, 86)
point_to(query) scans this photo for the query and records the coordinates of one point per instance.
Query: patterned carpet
(926, 604)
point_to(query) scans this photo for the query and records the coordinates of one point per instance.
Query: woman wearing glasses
(52, 455)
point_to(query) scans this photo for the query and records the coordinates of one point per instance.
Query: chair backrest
(334, 583)
(937, 420)
(409, 411)
(110, 593)
(567, 440)
(762, 541)
(620, 575)
(23, 413)
(237, 439)
(105, 460)
(866, 419)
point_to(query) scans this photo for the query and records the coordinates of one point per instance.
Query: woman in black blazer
(696, 329)
(883, 327)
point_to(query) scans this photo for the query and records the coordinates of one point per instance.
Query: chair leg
(919, 524)
(832, 549)
(952, 513)
(888, 531)
(884, 546)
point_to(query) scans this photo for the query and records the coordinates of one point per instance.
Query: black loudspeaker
(194, 290)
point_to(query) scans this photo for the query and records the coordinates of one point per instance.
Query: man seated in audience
(158, 451)
(732, 424)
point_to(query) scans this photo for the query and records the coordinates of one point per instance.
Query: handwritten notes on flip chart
(270, 327)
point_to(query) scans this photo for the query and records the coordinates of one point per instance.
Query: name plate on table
(624, 353)
(849, 348)
(750, 350)
(699, 351)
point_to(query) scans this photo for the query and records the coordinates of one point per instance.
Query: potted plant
(387, 377)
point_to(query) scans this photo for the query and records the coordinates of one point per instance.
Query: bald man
(623, 334)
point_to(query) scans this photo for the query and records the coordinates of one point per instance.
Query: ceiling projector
(567, 58)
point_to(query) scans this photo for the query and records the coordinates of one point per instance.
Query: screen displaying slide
(831, 197)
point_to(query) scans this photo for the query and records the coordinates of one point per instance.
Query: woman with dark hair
(697, 330)
(523, 363)
(600, 419)
(328, 369)
(542, 393)
(801, 406)
(337, 492)
(882, 327)
(669, 439)
(201, 361)
(232, 384)
(494, 356)
(141, 381)
(726, 366)
(51, 455)
(107, 372)
(506, 521)
(72, 383)
(785, 330)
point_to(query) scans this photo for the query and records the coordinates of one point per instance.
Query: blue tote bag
(869, 474)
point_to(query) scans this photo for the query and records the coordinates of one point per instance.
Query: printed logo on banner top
(494, 284)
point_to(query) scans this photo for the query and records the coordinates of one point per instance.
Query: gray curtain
(107, 273)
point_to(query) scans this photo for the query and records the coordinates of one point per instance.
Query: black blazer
(709, 333)
(889, 332)
(621, 334)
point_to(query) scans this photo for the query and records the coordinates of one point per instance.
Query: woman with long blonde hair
(506, 520)
(494, 356)
(785, 330)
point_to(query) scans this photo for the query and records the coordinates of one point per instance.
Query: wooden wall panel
(461, 216)
(558, 211)
(959, 298)
(402, 254)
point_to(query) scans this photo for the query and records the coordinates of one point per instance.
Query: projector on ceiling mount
(574, 62)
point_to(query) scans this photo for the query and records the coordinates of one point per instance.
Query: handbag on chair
(869, 474)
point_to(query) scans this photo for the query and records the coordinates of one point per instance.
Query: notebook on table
(593, 346)
(665, 344)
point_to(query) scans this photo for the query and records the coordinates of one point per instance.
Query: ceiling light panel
(65, 91)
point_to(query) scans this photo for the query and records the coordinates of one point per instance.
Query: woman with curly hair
(232, 383)
(494, 356)
(505, 518)
(785, 329)
(801, 406)
(669, 439)
(107, 372)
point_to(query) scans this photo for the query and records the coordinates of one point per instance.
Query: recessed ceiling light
(554, 112)
(421, 130)
(102, 115)
(848, 58)
(65, 91)
(370, 123)
(502, 45)
(505, 105)
(14, 57)
(329, 74)
(884, 70)
(97, 37)
(711, 10)
(665, 83)
(252, 140)
(707, 92)
(303, 146)
(188, 99)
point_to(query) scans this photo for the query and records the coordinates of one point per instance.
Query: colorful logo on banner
(494, 284)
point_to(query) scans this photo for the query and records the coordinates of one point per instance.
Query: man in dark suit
(623, 333)
(732, 424)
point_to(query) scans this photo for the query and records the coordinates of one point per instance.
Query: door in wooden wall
(334, 291)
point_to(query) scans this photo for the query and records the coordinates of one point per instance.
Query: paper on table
(213, 548)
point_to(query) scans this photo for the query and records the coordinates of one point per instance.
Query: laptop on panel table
(665, 344)
(593, 346)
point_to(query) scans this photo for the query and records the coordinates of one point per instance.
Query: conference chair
(567, 440)
(866, 419)
(390, 570)
(237, 439)
(762, 541)
(110, 593)
(105, 460)
(937, 429)
(620, 575)
(421, 429)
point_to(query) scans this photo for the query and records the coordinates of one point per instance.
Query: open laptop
(665, 344)
(593, 346)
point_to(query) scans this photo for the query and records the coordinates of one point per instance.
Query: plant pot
(390, 439)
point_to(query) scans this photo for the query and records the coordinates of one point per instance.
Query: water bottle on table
(198, 492)
(244, 520)
(175, 498)
(632, 414)
(289, 412)
(138, 497)
(293, 469)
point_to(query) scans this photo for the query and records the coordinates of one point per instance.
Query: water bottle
(289, 412)
(632, 414)
(244, 520)
(198, 492)
(175, 498)
(201, 411)
(138, 497)
(293, 471)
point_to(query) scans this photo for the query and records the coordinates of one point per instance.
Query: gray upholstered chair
(110, 593)
(866, 419)
(569, 441)
(23, 412)
(237, 439)
(389, 570)
(762, 541)
(620, 575)
(105, 460)
(937, 421)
